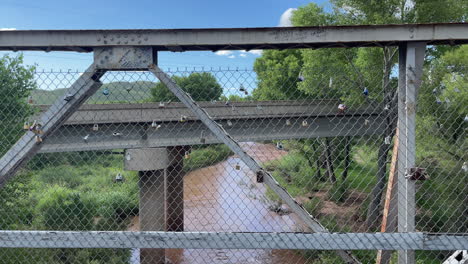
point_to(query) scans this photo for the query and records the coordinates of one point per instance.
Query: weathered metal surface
(124, 58)
(123, 126)
(235, 38)
(409, 82)
(227, 240)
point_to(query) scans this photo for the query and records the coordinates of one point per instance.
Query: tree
(201, 86)
(385, 12)
(346, 73)
(443, 98)
(277, 73)
(16, 84)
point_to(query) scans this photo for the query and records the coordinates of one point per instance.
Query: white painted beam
(227, 240)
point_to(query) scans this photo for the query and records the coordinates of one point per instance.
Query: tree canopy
(16, 84)
(201, 86)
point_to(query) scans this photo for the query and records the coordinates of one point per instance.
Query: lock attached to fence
(260, 176)
(417, 174)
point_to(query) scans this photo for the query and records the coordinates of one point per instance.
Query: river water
(224, 197)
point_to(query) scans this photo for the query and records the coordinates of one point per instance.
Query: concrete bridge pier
(175, 188)
(161, 192)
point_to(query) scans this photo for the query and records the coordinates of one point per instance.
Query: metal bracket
(125, 58)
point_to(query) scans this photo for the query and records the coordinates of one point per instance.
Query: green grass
(138, 92)
(206, 156)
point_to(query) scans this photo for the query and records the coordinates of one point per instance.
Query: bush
(338, 192)
(313, 206)
(61, 175)
(206, 156)
(16, 210)
(114, 208)
(62, 209)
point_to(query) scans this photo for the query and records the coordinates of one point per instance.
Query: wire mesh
(326, 134)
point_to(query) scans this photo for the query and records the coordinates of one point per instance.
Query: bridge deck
(130, 125)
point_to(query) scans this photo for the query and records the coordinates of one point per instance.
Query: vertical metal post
(411, 59)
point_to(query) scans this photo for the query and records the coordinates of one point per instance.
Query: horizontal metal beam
(167, 112)
(235, 38)
(227, 240)
(130, 126)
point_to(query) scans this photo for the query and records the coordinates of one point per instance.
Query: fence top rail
(213, 39)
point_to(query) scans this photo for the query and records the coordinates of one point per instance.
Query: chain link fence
(326, 134)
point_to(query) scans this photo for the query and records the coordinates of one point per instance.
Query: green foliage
(124, 92)
(201, 87)
(16, 84)
(277, 73)
(60, 208)
(313, 206)
(338, 192)
(444, 94)
(206, 156)
(16, 211)
(113, 208)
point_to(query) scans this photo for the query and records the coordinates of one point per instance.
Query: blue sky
(86, 14)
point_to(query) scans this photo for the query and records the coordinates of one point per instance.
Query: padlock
(387, 140)
(38, 129)
(95, 127)
(288, 122)
(26, 126)
(237, 166)
(183, 118)
(30, 100)
(304, 123)
(116, 134)
(154, 124)
(187, 155)
(366, 122)
(161, 105)
(38, 139)
(33, 126)
(202, 137)
(229, 123)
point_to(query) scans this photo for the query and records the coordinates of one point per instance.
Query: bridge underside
(95, 127)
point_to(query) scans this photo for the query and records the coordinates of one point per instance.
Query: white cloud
(256, 52)
(223, 52)
(243, 55)
(231, 57)
(7, 29)
(285, 19)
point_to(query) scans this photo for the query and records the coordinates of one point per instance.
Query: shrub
(61, 175)
(313, 206)
(60, 208)
(114, 208)
(206, 156)
(338, 192)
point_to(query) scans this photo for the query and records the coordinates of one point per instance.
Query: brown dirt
(345, 214)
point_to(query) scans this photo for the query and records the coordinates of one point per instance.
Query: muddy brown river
(224, 197)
